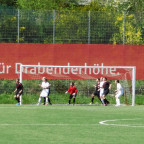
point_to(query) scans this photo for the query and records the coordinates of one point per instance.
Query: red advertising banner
(12, 55)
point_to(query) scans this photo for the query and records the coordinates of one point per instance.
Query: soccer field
(68, 124)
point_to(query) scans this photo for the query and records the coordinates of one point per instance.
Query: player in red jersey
(73, 92)
(18, 91)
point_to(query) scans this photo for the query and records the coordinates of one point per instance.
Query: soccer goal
(83, 76)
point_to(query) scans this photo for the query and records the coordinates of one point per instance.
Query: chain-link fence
(87, 27)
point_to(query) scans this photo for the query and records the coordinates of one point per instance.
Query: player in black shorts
(18, 91)
(107, 87)
(97, 91)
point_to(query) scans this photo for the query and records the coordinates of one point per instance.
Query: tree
(136, 5)
(8, 2)
(131, 32)
(47, 4)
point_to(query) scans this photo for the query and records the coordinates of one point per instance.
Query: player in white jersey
(45, 90)
(119, 92)
(102, 90)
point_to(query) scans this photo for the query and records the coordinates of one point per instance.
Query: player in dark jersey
(73, 92)
(107, 87)
(97, 91)
(18, 91)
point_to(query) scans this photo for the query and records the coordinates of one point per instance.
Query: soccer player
(107, 86)
(73, 92)
(102, 90)
(97, 91)
(45, 90)
(119, 92)
(18, 91)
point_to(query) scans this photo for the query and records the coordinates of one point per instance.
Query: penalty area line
(105, 122)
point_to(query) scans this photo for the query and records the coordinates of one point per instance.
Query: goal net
(84, 78)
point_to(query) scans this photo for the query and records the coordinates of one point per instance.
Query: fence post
(89, 28)
(89, 18)
(123, 28)
(53, 26)
(18, 34)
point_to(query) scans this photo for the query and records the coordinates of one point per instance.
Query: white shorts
(119, 94)
(44, 93)
(101, 92)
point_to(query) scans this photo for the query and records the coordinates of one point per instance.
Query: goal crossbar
(53, 66)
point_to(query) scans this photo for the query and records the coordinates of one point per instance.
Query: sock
(39, 101)
(18, 99)
(92, 99)
(46, 100)
(106, 101)
(49, 101)
(73, 100)
(118, 101)
(69, 101)
(102, 101)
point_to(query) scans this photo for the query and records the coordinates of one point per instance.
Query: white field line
(61, 124)
(105, 122)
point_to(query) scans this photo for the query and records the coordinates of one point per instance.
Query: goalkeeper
(73, 92)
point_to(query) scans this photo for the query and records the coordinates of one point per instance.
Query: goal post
(133, 84)
(80, 73)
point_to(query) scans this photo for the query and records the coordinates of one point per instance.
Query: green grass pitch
(67, 124)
